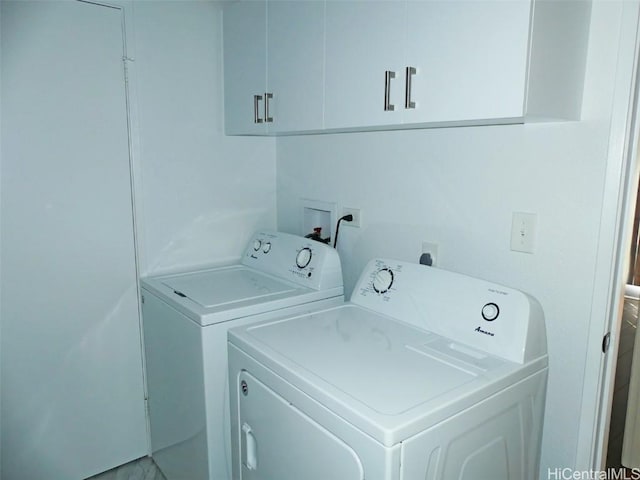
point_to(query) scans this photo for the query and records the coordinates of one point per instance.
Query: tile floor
(141, 469)
(622, 379)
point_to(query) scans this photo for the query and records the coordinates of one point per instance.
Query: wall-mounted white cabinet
(273, 53)
(341, 65)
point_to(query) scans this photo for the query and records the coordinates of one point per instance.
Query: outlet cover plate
(357, 216)
(523, 232)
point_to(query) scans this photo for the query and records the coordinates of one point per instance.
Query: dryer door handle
(251, 448)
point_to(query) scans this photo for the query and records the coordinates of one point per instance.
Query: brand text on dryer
(479, 329)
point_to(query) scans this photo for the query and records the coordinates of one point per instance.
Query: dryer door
(278, 441)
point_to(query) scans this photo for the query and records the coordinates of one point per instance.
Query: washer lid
(389, 378)
(224, 287)
(221, 294)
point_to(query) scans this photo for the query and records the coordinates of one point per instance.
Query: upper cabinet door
(295, 68)
(470, 59)
(363, 41)
(245, 66)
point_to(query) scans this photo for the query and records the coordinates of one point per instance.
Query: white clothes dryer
(424, 374)
(185, 322)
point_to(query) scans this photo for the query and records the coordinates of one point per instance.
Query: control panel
(486, 316)
(301, 260)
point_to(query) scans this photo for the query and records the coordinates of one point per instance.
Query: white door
(72, 388)
(278, 441)
(295, 68)
(245, 67)
(363, 41)
(470, 59)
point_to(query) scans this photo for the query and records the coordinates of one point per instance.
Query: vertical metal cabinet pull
(409, 72)
(388, 75)
(267, 97)
(251, 448)
(256, 109)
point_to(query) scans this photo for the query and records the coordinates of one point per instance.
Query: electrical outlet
(431, 249)
(357, 217)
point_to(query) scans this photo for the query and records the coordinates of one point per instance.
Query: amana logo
(479, 329)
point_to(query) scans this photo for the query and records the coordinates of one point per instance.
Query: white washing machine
(186, 317)
(424, 374)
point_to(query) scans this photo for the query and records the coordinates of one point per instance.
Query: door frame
(610, 275)
(135, 168)
(133, 124)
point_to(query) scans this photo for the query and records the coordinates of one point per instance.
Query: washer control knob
(266, 248)
(490, 312)
(303, 258)
(257, 244)
(383, 280)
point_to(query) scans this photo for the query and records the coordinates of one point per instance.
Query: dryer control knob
(266, 248)
(303, 258)
(383, 280)
(490, 312)
(257, 244)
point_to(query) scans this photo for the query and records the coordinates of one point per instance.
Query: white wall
(200, 194)
(458, 187)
